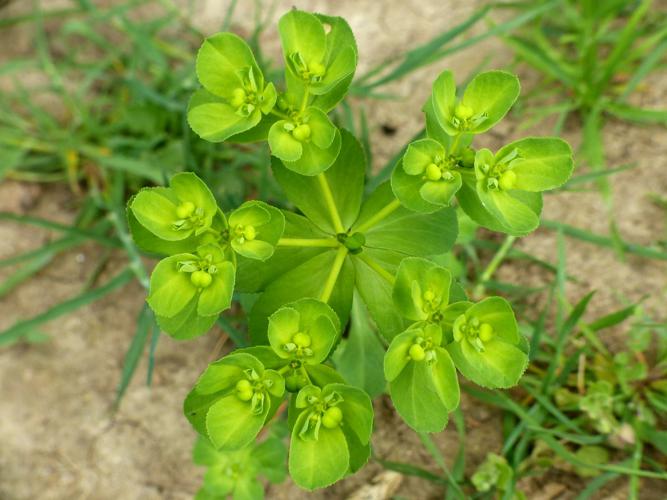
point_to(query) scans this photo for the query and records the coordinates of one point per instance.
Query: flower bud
(301, 339)
(249, 233)
(485, 332)
(185, 210)
(317, 69)
(243, 385)
(416, 352)
(462, 111)
(201, 279)
(301, 132)
(238, 98)
(508, 180)
(433, 172)
(332, 417)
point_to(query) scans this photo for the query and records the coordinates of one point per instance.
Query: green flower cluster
(481, 340)
(500, 191)
(236, 104)
(194, 283)
(331, 421)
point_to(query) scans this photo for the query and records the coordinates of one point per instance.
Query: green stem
(370, 262)
(493, 265)
(333, 275)
(304, 101)
(331, 205)
(283, 116)
(455, 144)
(379, 216)
(308, 242)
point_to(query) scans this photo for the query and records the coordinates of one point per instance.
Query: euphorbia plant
(303, 269)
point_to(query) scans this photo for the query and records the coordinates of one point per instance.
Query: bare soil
(60, 438)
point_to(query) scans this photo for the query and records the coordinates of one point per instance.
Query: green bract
(185, 208)
(302, 335)
(487, 347)
(507, 183)
(429, 178)
(307, 142)
(486, 100)
(330, 434)
(191, 287)
(236, 472)
(232, 400)
(254, 230)
(422, 377)
(316, 61)
(234, 96)
(206, 276)
(421, 290)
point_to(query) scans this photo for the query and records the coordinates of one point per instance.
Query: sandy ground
(60, 439)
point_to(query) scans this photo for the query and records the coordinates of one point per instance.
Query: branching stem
(308, 242)
(331, 205)
(372, 263)
(304, 101)
(455, 144)
(333, 274)
(379, 216)
(280, 115)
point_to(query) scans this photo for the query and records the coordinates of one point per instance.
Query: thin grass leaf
(539, 327)
(648, 64)
(134, 352)
(633, 485)
(613, 319)
(506, 402)
(23, 327)
(564, 331)
(578, 439)
(411, 470)
(550, 408)
(592, 176)
(31, 268)
(95, 235)
(596, 484)
(540, 59)
(619, 52)
(151, 352)
(635, 114)
(433, 450)
(417, 57)
(53, 247)
(136, 265)
(596, 239)
(133, 166)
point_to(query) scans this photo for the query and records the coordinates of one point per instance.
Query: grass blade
(134, 352)
(603, 241)
(19, 276)
(635, 114)
(21, 328)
